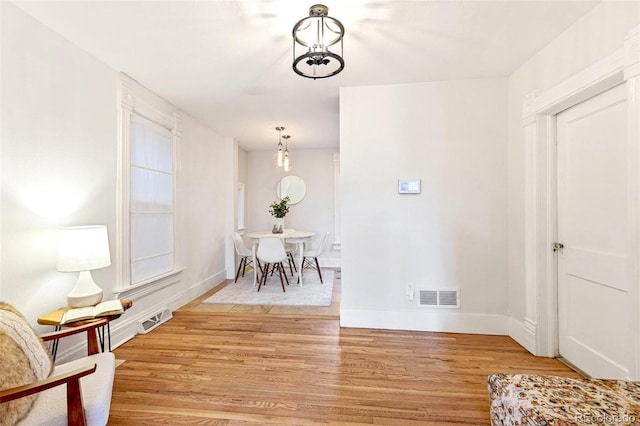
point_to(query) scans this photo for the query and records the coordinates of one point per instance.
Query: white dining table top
(290, 236)
(284, 235)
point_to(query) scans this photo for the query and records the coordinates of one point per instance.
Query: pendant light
(286, 161)
(317, 44)
(279, 156)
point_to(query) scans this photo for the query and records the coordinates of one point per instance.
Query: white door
(593, 302)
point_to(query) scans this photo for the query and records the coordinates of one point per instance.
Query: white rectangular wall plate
(408, 186)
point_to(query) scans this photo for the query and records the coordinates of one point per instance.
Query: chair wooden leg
(285, 274)
(239, 266)
(244, 267)
(265, 269)
(293, 261)
(266, 276)
(319, 273)
(290, 268)
(280, 268)
(75, 409)
(263, 277)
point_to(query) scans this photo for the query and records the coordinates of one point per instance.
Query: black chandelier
(317, 44)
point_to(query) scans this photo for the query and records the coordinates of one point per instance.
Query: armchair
(89, 382)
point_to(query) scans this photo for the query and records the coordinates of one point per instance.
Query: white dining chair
(310, 258)
(246, 255)
(271, 252)
(291, 250)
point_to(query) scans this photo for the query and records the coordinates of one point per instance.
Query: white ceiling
(228, 63)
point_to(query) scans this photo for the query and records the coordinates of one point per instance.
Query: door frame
(539, 122)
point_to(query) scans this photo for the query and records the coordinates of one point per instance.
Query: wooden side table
(53, 318)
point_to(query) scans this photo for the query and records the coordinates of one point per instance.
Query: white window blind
(151, 204)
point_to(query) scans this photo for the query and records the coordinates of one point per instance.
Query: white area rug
(312, 293)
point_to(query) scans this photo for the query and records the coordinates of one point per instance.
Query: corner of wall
(524, 333)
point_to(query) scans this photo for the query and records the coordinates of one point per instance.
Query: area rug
(312, 293)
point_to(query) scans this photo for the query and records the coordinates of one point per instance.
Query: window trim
(241, 205)
(135, 99)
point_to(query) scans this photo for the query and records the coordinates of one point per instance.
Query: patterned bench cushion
(527, 399)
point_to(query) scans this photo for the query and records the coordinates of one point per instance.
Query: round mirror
(293, 187)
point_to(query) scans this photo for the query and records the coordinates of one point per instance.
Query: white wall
(58, 158)
(201, 203)
(453, 136)
(593, 37)
(59, 168)
(314, 213)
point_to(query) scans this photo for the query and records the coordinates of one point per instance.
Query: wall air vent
(145, 326)
(428, 298)
(449, 298)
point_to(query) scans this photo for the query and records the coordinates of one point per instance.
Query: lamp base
(85, 293)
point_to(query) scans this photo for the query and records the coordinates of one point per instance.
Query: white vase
(278, 225)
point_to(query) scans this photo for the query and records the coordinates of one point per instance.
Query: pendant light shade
(279, 156)
(286, 162)
(317, 44)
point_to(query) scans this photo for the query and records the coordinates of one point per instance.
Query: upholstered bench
(526, 399)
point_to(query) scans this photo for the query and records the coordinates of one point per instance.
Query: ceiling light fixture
(313, 37)
(286, 162)
(279, 157)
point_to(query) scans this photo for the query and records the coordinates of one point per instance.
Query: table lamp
(83, 249)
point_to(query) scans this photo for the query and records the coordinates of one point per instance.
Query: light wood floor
(266, 366)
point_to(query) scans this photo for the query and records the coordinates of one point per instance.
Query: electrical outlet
(410, 292)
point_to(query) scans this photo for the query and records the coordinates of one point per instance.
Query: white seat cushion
(50, 407)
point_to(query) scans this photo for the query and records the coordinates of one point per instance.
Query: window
(150, 200)
(149, 134)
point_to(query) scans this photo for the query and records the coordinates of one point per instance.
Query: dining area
(304, 227)
(279, 256)
(275, 249)
(279, 269)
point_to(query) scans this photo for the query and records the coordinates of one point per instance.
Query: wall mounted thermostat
(409, 186)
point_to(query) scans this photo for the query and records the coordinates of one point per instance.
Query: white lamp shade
(83, 248)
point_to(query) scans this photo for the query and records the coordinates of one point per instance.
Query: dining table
(287, 236)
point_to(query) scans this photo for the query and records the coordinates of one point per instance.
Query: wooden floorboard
(208, 368)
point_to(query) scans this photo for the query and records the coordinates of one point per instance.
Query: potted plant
(279, 210)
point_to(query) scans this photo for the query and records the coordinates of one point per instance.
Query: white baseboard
(199, 289)
(424, 320)
(523, 332)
